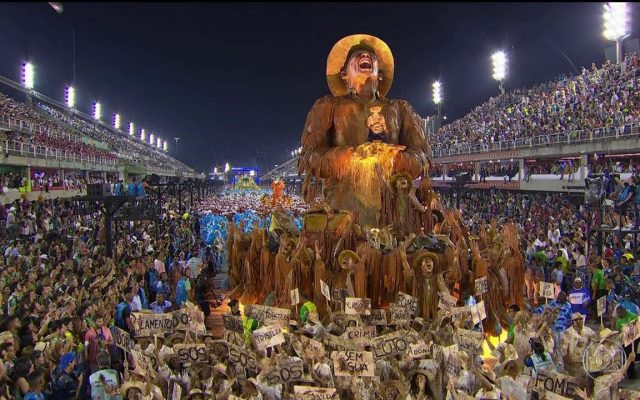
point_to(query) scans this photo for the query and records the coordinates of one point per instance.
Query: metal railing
(22, 149)
(581, 136)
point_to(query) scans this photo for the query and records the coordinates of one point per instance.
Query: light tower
(116, 121)
(616, 25)
(70, 96)
(499, 61)
(437, 95)
(132, 128)
(97, 110)
(27, 75)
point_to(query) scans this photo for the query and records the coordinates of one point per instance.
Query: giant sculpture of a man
(348, 133)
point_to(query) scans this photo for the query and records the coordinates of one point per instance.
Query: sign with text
(243, 357)
(267, 336)
(629, 333)
(324, 288)
(560, 384)
(233, 337)
(547, 290)
(446, 300)
(377, 317)
(478, 312)
(467, 340)
(285, 372)
(392, 344)
(362, 334)
(407, 302)
(335, 343)
(312, 348)
(482, 286)
(191, 352)
(123, 340)
(338, 295)
(232, 323)
(270, 315)
(146, 324)
(358, 306)
(420, 350)
(601, 305)
(353, 363)
(453, 366)
(315, 393)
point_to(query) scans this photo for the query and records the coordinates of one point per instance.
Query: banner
(601, 305)
(232, 323)
(191, 352)
(547, 290)
(361, 335)
(377, 317)
(285, 372)
(468, 341)
(482, 286)
(392, 344)
(123, 340)
(478, 312)
(188, 319)
(324, 288)
(243, 357)
(315, 393)
(271, 315)
(353, 363)
(563, 385)
(355, 305)
(295, 296)
(267, 336)
(420, 350)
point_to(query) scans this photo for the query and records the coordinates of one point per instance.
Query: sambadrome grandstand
(547, 138)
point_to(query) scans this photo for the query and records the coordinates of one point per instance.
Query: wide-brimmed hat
(340, 53)
(426, 254)
(398, 385)
(606, 333)
(195, 392)
(132, 384)
(307, 256)
(342, 258)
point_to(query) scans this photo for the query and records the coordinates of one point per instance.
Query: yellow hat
(340, 52)
(427, 254)
(342, 258)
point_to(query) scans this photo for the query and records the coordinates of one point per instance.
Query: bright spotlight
(499, 60)
(70, 96)
(159, 143)
(166, 146)
(616, 21)
(252, 173)
(97, 110)
(437, 92)
(227, 167)
(143, 135)
(27, 75)
(151, 139)
(116, 121)
(132, 128)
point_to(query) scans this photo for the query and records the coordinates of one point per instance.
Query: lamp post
(437, 95)
(616, 25)
(499, 61)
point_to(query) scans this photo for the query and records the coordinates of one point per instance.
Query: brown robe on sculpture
(283, 269)
(513, 264)
(423, 283)
(267, 267)
(351, 277)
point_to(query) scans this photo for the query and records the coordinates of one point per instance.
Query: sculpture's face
(402, 184)
(427, 266)
(361, 67)
(421, 381)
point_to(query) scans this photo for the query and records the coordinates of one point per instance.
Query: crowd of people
(597, 98)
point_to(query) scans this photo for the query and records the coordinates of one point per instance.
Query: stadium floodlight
(27, 75)
(116, 121)
(166, 146)
(499, 60)
(132, 128)
(437, 94)
(143, 135)
(97, 110)
(616, 25)
(152, 139)
(227, 167)
(252, 173)
(70, 96)
(159, 143)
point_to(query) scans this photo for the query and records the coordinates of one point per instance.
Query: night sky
(235, 81)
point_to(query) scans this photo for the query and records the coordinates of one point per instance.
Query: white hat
(44, 256)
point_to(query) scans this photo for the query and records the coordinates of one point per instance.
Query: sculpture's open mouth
(365, 64)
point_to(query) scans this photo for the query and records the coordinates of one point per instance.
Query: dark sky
(235, 81)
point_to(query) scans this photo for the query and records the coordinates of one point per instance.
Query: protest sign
(315, 393)
(392, 344)
(453, 366)
(362, 334)
(324, 288)
(407, 302)
(420, 350)
(312, 348)
(629, 332)
(335, 343)
(142, 363)
(267, 336)
(123, 340)
(191, 352)
(194, 321)
(233, 337)
(377, 317)
(546, 290)
(221, 348)
(601, 305)
(355, 305)
(560, 384)
(399, 315)
(478, 312)
(285, 372)
(637, 330)
(148, 324)
(338, 295)
(232, 323)
(468, 341)
(446, 300)
(449, 350)
(295, 296)
(243, 357)
(270, 315)
(353, 363)
(482, 286)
